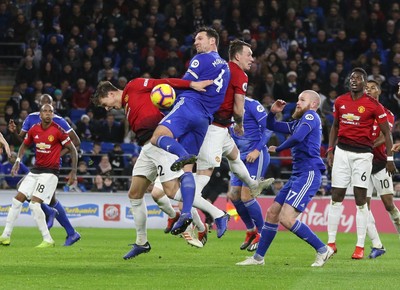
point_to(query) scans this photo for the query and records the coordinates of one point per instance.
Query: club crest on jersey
(361, 109)
(126, 98)
(309, 117)
(350, 117)
(218, 159)
(50, 138)
(195, 63)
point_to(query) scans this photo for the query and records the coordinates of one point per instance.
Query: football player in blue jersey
(56, 210)
(305, 142)
(182, 131)
(254, 154)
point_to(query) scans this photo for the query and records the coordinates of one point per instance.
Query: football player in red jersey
(380, 178)
(143, 118)
(354, 115)
(41, 182)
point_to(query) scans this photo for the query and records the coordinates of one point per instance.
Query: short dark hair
(375, 82)
(361, 71)
(211, 32)
(236, 46)
(102, 90)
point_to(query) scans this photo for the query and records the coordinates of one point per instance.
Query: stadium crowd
(70, 46)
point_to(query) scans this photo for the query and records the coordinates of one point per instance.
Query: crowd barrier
(106, 210)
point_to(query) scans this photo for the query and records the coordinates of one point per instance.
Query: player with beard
(351, 134)
(293, 198)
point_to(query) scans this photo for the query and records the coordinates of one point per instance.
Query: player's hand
(252, 156)
(329, 157)
(396, 147)
(71, 178)
(238, 129)
(14, 169)
(200, 85)
(390, 168)
(12, 127)
(278, 106)
(272, 149)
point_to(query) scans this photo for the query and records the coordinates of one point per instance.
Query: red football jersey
(380, 151)
(237, 85)
(142, 115)
(48, 144)
(356, 119)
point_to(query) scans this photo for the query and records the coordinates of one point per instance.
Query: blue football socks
(243, 213)
(63, 219)
(170, 145)
(268, 234)
(305, 233)
(188, 187)
(255, 212)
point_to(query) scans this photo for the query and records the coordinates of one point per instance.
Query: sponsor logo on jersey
(42, 146)
(112, 212)
(195, 63)
(50, 138)
(361, 109)
(309, 117)
(350, 117)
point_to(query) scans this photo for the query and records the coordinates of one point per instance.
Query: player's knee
(272, 216)
(234, 194)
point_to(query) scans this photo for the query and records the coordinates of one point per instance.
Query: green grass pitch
(96, 262)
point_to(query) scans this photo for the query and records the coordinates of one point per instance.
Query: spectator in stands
(109, 184)
(9, 114)
(117, 159)
(21, 27)
(68, 73)
(275, 187)
(83, 128)
(104, 167)
(50, 76)
(269, 86)
(292, 87)
(27, 71)
(89, 55)
(354, 24)
(84, 178)
(73, 59)
(12, 181)
(88, 73)
(111, 130)
(333, 83)
(94, 155)
(129, 70)
(334, 22)
(98, 183)
(321, 49)
(81, 95)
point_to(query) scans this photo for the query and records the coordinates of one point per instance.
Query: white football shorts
(350, 168)
(153, 162)
(217, 143)
(382, 182)
(42, 185)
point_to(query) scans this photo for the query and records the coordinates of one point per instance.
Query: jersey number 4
(219, 81)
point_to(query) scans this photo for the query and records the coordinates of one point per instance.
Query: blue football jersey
(307, 153)
(34, 118)
(208, 66)
(256, 135)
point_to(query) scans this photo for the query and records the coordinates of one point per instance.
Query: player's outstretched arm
(200, 85)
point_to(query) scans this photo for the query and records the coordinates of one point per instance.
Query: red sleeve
(146, 85)
(380, 114)
(335, 109)
(173, 82)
